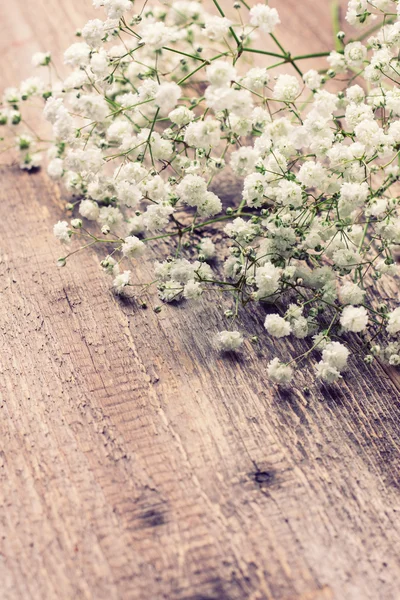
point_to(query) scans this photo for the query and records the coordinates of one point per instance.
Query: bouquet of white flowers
(163, 98)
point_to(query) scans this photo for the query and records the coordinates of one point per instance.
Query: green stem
(315, 55)
(195, 226)
(255, 51)
(221, 12)
(183, 53)
(278, 44)
(335, 11)
(193, 72)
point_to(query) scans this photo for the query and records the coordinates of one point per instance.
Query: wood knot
(264, 478)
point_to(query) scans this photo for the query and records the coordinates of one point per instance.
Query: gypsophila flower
(55, 168)
(336, 355)
(277, 326)
(264, 17)
(228, 341)
(93, 32)
(278, 372)
(354, 318)
(256, 79)
(156, 35)
(192, 290)
(133, 247)
(286, 88)
(121, 281)
(41, 59)
(62, 232)
(350, 293)
(89, 210)
(166, 133)
(216, 28)
(355, 53)
(327, 372)
(77, 55)
(207, 248)
(393, 325)
(312, 79)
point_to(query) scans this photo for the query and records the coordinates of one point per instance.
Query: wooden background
(135, 462)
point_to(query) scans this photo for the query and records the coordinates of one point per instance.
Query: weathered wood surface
(137, 463)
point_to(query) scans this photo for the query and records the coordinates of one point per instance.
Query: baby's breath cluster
(162, 98)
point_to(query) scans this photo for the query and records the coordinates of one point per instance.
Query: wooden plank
(136, 462)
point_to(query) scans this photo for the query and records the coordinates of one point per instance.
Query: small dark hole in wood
(264, 477)
(153, 518)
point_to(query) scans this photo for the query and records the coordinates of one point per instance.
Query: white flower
(156, 35)
(267, 280)
(207, 248)
(256, 78)
(327, 372)
(170, 291)
(216, 28)
(254, 189)
(244, 160)
(181, 115)
(41, 59)
(11, 95)
(128, 193)
(355, 94)
(89, 210)
(355, 53)
(393, 325)
(136, 225)
(114, 8)
(77, 55)
(53, 109)
(167, 96)
(93, 32)
(264, 17)
(111, 216)
(152, 111)
(210, 206)
(289, 193)
(240, 230)
(337, 62)
(62, 232)
(221, 73)
(99, 62)
(312, 79)
(350, 293)
(286, 88)
(312, 174)
(299, 327)
(203, 134)
(336, 355)
(157, 216)
(76, 223)
(352, 195)
(354, 318)
(33, 86)
(229, 340)
(133, 247)
(55, 168)
(192, 290)
(278, 372)
(192, 189)
(118, 130)
(121, 281)
(277, 326)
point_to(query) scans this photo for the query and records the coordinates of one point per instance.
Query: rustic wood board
(136, 462)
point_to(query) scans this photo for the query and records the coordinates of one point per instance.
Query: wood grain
(135, 461)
